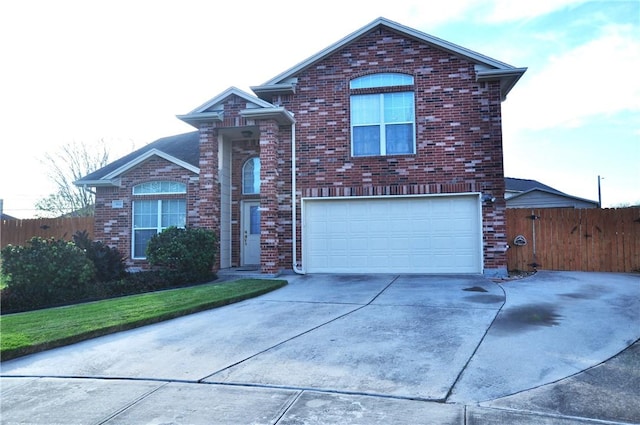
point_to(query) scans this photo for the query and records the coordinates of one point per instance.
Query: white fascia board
(195, 119)
(281, 115)
(228, 92)
(275, 89)
(419, 35)
(508, 78)
(153, 152)
(96, 183)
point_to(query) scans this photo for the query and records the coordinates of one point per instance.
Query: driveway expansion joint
(504, 302)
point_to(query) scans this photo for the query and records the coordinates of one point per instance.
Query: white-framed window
(159, 187)
(251, 176)
(382, 123)
(151, 215)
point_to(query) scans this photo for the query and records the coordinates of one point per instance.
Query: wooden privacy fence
(600, 240)
(18, 232)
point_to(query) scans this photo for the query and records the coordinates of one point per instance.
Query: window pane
(398, 107)
(251, 176)
(254, 220)
(381, 80)
(174, 213)
(140, 241)
(159, 187)
(399, 138)
(365, 109)
(145, 214)
(366, 140)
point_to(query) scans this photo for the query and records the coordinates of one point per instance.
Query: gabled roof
(182, 149)
(563, 195)
(7, 217)
(526, 187)
(523, 185)
(213, 109)
(486, 68)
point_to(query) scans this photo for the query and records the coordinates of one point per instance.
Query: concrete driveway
(358, 349)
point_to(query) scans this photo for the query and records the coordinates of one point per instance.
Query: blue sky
(82, 71)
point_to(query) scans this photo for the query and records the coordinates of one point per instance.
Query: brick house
(381, 153)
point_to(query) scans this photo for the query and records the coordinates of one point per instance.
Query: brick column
(269, 237)
(493, 213)
(208, 199)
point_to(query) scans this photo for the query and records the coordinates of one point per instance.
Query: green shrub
(108, 261)
(190, 251)
(46, 272)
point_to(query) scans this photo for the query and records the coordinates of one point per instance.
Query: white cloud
(598, 77)
(509, 10)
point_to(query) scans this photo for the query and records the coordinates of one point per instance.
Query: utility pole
(599, 193)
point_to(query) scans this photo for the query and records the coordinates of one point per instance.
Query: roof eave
(194, 119)
(148, 154)
(98, 183)
(280, 115)
(508, 78)
(265, 91)
(564, 195)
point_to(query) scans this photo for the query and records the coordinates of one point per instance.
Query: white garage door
(431, 234)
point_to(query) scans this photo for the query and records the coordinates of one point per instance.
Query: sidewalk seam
(130, 404)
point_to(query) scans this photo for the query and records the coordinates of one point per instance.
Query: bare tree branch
(73, 161)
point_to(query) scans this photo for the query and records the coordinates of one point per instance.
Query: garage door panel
(393, 235)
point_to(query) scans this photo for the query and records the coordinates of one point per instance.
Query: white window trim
(382, 126)
(183, 191)
(242, 177)
(158, 227)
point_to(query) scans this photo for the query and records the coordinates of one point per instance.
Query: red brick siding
(459, 140)
(458, 148)
(206, 211)
(113, 226)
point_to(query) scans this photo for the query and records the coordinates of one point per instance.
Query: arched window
(382, 123)
(154, 211)
(251, 176)
(386, 79)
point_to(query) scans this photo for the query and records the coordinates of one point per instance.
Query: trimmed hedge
(50, 273)
(45, 272)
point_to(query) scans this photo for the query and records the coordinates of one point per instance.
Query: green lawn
(33, 331)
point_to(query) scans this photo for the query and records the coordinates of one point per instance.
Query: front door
(250, 237)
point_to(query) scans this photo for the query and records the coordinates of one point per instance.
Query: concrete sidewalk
(359, 349)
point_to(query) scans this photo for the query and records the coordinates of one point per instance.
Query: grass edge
(10, 354)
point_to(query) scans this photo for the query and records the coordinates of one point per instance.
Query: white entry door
(250, 237)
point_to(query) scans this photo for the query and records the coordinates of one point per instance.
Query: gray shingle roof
(182, 146)
(523, 185)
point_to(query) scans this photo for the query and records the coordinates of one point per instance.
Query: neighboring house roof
(181, 149)
(486, 68)
(7, 217)
(523, 185)
(534, 194)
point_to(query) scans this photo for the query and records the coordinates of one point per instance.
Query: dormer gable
(214, 109)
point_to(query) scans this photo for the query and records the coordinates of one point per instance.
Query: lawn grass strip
(25, 345)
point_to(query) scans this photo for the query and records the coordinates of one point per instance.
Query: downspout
(294, 224)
